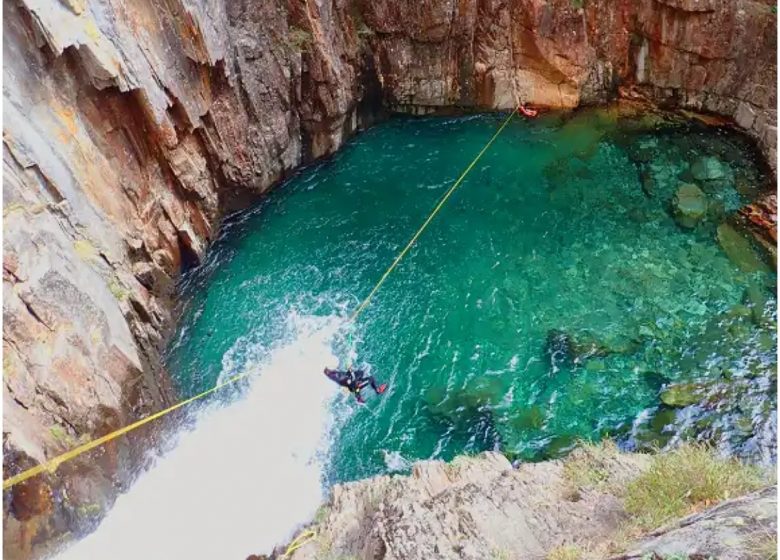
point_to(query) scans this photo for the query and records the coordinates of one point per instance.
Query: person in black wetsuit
(355, 380)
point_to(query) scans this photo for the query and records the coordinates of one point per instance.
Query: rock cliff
(130, 128)
(712, 55)
(479, 508)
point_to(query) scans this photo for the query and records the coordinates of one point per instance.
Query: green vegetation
(763, 546)
(59, 433)
(587, 467)
(577, 4)
(653, 556)
(685, 479)
(117, 289)
(363, 30)
(89, 510)
(322, 513)
(565, 552)
(85, 250)
(299, 39)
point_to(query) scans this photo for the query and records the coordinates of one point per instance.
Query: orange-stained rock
(760, 218)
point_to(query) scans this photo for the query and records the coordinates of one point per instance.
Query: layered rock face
(477, 508)
(128, 129)
(131, 127)
(713, 55)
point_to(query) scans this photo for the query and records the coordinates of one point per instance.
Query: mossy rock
(559, 446)
(689, 205)
(655, 380)
(756, 300)
(707, 168)
(740, 250)
(653, 433)
(682, 394)
(528, 419)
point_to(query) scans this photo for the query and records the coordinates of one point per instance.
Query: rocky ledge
(478, 508)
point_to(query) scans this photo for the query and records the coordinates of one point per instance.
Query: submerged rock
(689, 205)
(562, 348)
(682, 394)
(740, 250)
(653, 430)
(707, 168)
(648, 183)
(756, 300)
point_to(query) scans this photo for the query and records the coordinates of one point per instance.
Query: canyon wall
(130, 128)
(711, 55)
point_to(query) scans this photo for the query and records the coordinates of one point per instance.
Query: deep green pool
(561, 241)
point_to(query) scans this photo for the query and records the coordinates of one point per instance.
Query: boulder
(682, 394)
(707, 168)
(689, 205)
(563, 348)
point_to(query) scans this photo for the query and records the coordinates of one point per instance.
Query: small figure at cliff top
(355, 381)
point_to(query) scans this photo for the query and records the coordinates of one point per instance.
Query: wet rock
(467, 414)
(562, 348)
(716, 211)
(527, 419)
(654, 379)
(756, 300)
(682, 394)
(558, 349)
(648, 183)
(689, 205)
(559, 446)
(654, 432)
(642, 152)
(31, 498)
(739, 249)
(594, 366)
(707, 168)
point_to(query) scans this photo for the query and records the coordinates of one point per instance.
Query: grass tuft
(565, 552)
(588, 465)
(117, 289)
(762, 546)
(688, 478)
(321, 514)
(299, 39)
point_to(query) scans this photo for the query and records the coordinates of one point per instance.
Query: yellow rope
(299, 541)
(438, 207)
(51, 465)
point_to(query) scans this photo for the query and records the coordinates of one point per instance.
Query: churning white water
(245, 475)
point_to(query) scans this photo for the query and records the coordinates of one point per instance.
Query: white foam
(395, 462)
(245, 476)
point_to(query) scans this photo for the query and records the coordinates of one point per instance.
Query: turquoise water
(552, 298)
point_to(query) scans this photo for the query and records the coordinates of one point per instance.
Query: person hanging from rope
(355, 381)
(521, 107)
